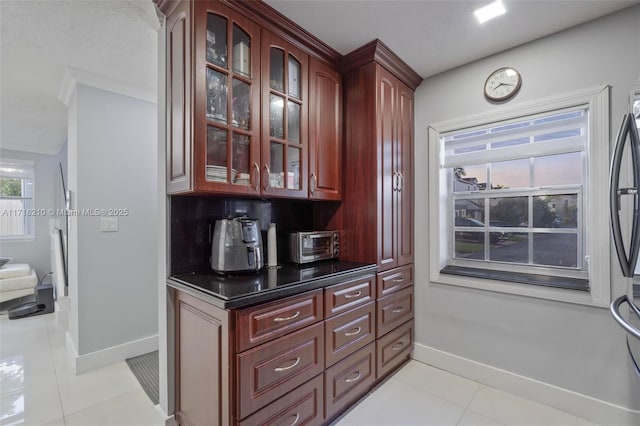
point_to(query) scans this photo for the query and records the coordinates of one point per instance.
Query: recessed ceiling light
(490, 11)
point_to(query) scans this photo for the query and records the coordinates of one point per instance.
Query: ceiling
(118, 39)
(39, 39)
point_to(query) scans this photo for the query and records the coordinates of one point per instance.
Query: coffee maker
(236, 246)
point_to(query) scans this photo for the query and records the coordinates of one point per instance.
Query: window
(517, 192)
(16, 199)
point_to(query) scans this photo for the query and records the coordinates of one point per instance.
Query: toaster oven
(305, 247)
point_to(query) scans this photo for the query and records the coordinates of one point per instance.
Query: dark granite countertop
(238, 291)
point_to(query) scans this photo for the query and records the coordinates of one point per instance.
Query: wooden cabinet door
(178, 100)
(325, 132)
(227, 91)
(202, 362)
(284, 118)
(404, 168)
(386, 85)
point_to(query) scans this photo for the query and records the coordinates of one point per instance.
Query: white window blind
(558, 133)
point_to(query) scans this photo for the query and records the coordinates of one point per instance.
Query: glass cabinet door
(232, 94)
(285, 156)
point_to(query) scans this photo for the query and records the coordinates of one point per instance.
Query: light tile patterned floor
(37, 388)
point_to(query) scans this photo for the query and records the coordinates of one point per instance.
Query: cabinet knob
(400, 182)
(394, 181)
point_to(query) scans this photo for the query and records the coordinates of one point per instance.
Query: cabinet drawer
(273, 369)
(348, 332)
(393, 349)
(266, 322)
(394, 310)
(394, 280)
(348, 380)
(303, 406)
(342, 297)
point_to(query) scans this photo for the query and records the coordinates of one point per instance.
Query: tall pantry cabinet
(377, 203)
(377, 208)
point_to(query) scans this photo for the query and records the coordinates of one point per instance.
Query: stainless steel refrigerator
(625, 206)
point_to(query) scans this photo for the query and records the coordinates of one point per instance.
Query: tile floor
(37, 388)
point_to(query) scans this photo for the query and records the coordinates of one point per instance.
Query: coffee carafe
(236, 246)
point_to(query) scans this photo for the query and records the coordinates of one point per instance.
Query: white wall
(48, 195)
(113, 275)
(573, 347)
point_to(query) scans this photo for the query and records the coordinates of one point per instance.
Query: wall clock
(502, 84)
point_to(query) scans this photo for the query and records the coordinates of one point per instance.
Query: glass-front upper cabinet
(284, 133)
(227, 112)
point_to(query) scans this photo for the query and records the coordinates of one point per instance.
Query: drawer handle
(398, 310)
(397, 346)
(353, 379)
(294, 316)
(352, 295)
(353, 333)
(288, 367)
(296, 419)
(398, 280)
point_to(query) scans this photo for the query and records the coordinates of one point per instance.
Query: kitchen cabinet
(376, 213)
(285, 118)
(237, 103)
(378, 174)
(325, 132)
(203, 362)
(308, 356)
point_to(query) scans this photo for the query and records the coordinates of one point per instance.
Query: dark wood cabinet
(269, 371)
(379, 173)
(285, 119)
(348, 332)
(376, 212)
(179, 98)
(393, 349)
(203, 363)
(268, 321)
(394, 280)
(393, 310)
(238, 93)
(302, 406)
(346, 381)
(342, 297)
(325, 132)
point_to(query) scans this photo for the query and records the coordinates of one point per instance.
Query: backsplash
(193, 219)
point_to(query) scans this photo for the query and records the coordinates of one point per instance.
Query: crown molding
(74, 76)
(377, 51)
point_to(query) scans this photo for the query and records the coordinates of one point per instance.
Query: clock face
(502, 84)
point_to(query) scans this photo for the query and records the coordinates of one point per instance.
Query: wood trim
(273, 21)
(377, 51)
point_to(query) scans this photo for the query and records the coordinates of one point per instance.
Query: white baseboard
(104, 357)
(580, 405)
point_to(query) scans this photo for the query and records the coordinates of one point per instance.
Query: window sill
(517, 277)
(504, 285)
